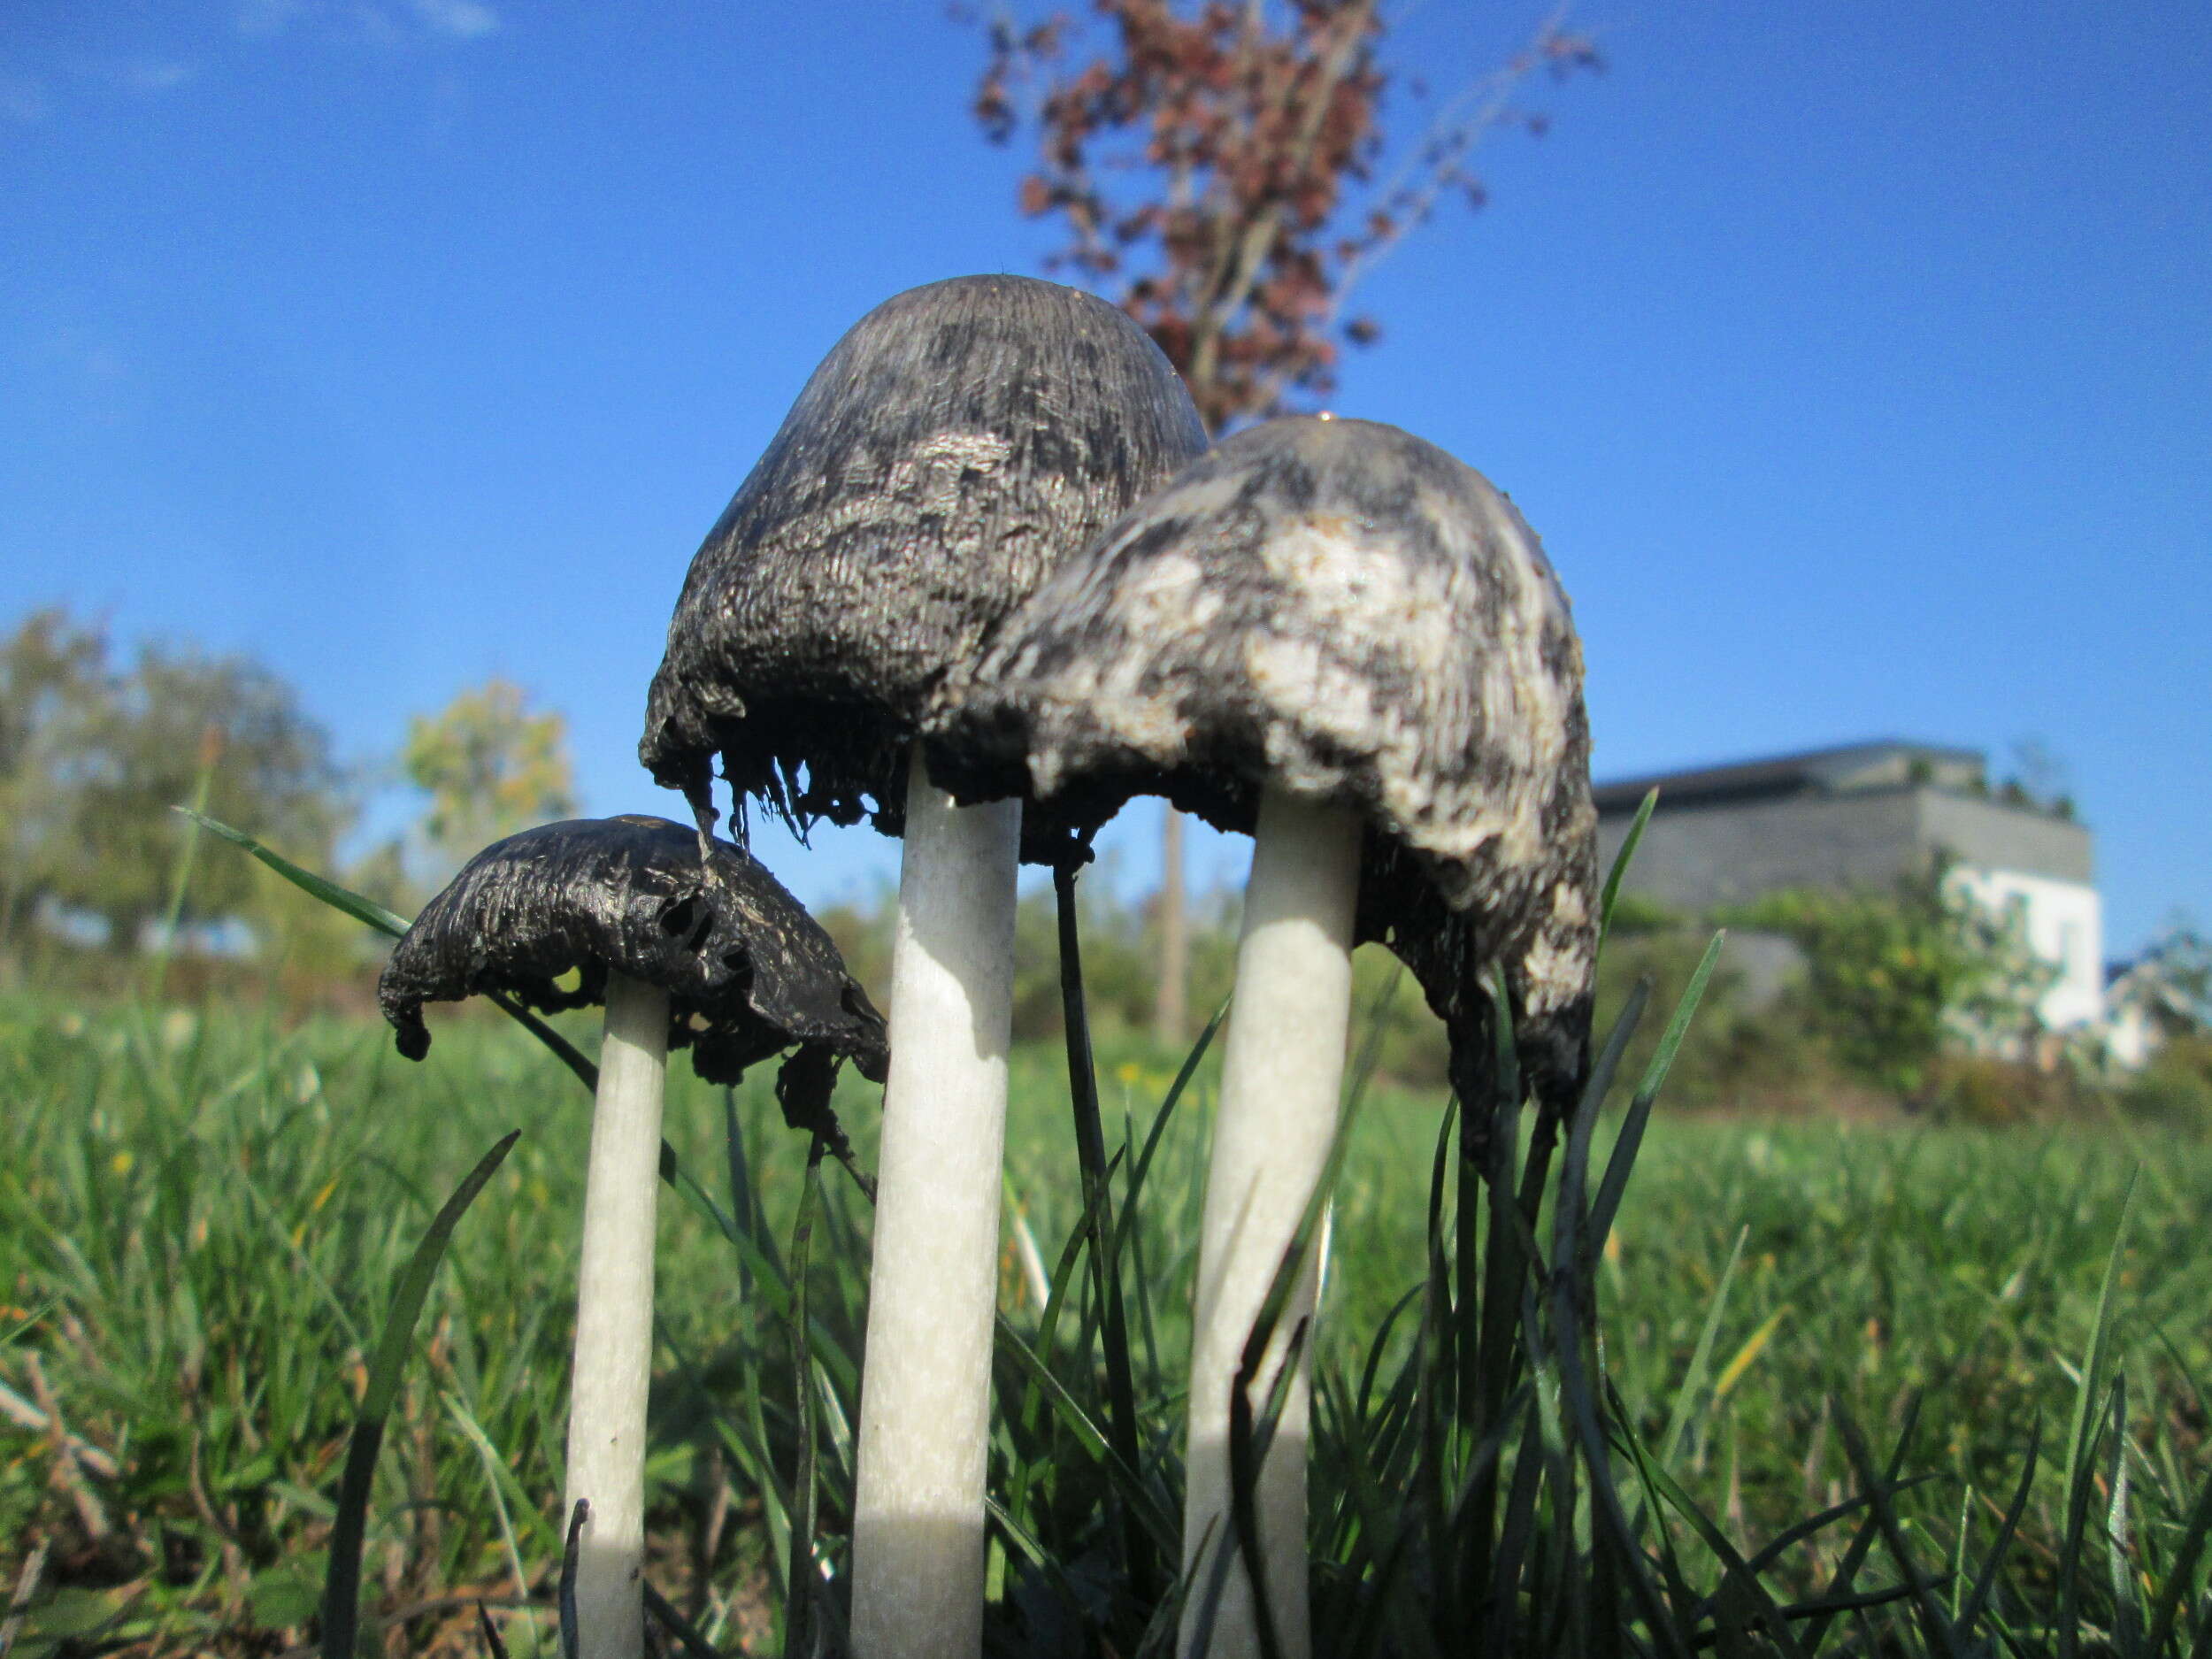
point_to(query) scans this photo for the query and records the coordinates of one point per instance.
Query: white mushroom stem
(614, 1322)
(924, 1418)
(1281, 1077)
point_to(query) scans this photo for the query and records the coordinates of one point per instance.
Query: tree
(2170, 984)
(50, 670)
(1219, 170)
(490, 768)
(182, 725)
(2168, 989)
(93, 758)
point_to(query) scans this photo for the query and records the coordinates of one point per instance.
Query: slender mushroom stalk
(1336, 636)
(924, 1445)
(730, 965)
(612, 1372)
(1282, 1073)
(959, 442)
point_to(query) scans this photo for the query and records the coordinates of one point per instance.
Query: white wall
(2065, 926)
(2129, 1038)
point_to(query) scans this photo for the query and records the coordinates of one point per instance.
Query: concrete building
(1862, 816)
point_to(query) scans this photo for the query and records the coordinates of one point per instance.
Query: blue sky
(1855, 362)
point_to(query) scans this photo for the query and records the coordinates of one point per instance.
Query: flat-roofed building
(1862, 816)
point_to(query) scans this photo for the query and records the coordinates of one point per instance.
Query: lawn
(202, 1216)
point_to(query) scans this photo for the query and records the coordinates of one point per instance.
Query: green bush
(2175, 1089)
(1987, 1092)
(1893, 979)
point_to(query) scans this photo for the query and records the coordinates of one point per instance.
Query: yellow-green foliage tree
(491, 766)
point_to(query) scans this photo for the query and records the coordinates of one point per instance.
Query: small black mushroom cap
(748, 972)
(1347, 611)
(957, 444)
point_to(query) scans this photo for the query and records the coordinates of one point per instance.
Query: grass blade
(1936, 1632)
(1684, 1409)
(339, 898)
(2080, 1480)
(1127, 1226)
(571, 1642)
(1570, 1332)
(564, 1050)
(1090, 1146)
(1249, 1442)
(1574, 1198)
(1678, 1027)
(663, 1611)
(2179, 1570)
(2126, 1604)
(1613, 876)
(181, 875)
(496, 1476)
(1741, 1580)
(392, 925)
(1613, 1184)
(341, 1588)
(799, 1591)
(1782, 1542)
(1855, 1556)
(1985, 1580)
(1087, 1433)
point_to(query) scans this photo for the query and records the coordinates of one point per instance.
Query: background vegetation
(204, 1214)
(208, 1208)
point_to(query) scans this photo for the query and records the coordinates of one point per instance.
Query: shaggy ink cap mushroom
(1338, 638)
(959, 442)
(747, 971)
(686, 941)
(1342, 611)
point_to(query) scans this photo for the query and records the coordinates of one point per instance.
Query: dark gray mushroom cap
(748, 972)
(957, 444)
(1347, 611)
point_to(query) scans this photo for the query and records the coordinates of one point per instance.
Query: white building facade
(2063, 923)
(1862, 816)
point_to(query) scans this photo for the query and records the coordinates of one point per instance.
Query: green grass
(204, 1219)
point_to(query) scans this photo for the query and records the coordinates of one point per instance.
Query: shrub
(2175, 1089)
(1891, 978)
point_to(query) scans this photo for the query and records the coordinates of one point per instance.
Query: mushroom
(732, 966)
(958, 443)
(1337, 637)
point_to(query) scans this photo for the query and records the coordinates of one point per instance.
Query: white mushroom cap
(1347, 612)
